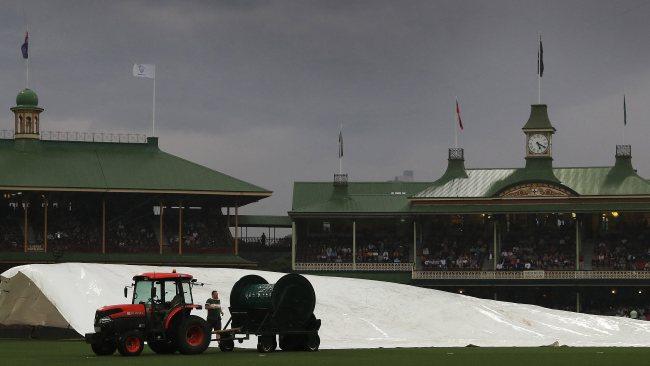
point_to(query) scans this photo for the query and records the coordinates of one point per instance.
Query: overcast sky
(257, 89)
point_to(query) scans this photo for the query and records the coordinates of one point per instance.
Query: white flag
(144, 70)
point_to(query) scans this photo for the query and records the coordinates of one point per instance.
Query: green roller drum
(290, 301)
(285, 309)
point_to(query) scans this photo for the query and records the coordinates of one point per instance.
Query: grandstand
(88, 197)
(566, 237)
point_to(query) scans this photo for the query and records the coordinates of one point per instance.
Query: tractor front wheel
(105, 348)
(193, 335)
(131, 343)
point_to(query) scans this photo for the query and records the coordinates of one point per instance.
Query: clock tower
(539, 137)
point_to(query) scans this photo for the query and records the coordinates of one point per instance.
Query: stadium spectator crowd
(462, 253)
(550, 253)
(333, 251)
(131, 238)
(73, 234)
(321, 251)
(622, 252)
(542, 243)
(11, 235)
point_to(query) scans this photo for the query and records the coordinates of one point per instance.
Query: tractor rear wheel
(266, 344)
(162, 347)
(131, 343)
(105, 348)
(193, 335)
(227, 345)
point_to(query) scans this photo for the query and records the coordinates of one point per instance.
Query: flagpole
(27, 73)
(153, 114)
(539, 89)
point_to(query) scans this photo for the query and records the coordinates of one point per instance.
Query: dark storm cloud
(257, 89)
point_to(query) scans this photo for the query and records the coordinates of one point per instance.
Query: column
(160, 233)
(294, 241)
(237, 229)
(577, 301)
(578, 244)
(103, 225)
(415, 245)
(495, 239)
(180, 228)
(25, 229)
(354, 244)
(45, 226)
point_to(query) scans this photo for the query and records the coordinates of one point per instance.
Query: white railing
(530, 275)
(6, 134)
(367, 267)
(124, 138)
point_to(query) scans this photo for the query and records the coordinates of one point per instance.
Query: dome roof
(27, 98)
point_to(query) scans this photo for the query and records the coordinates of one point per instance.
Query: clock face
(538, 144)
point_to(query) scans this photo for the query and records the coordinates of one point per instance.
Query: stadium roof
(462, 190)
(112, 167)
(356, 198)
(588, 181)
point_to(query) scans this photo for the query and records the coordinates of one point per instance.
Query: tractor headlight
(105, 320)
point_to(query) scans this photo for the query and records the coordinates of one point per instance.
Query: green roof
(26, 98)
(94, 166)
(538, 119)
(355, 198)
(376, 198)
(589, 181)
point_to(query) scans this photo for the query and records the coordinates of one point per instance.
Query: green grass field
(69, 353)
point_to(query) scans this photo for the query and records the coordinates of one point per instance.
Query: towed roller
(285, 309)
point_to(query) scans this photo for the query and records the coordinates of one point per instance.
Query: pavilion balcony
(368, 267)
(530, 275)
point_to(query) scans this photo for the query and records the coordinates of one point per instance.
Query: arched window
(29, 125)
(21, 125)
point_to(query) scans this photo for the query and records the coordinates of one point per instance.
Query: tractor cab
(161, 292)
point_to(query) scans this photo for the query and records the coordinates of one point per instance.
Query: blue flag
(25, 47)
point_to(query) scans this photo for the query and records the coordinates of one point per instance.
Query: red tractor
(158, 314)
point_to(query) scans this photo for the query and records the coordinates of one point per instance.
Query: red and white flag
(458, 119)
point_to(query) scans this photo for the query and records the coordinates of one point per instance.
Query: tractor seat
(176, 301)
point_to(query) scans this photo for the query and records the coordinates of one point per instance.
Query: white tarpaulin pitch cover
(355, 313)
